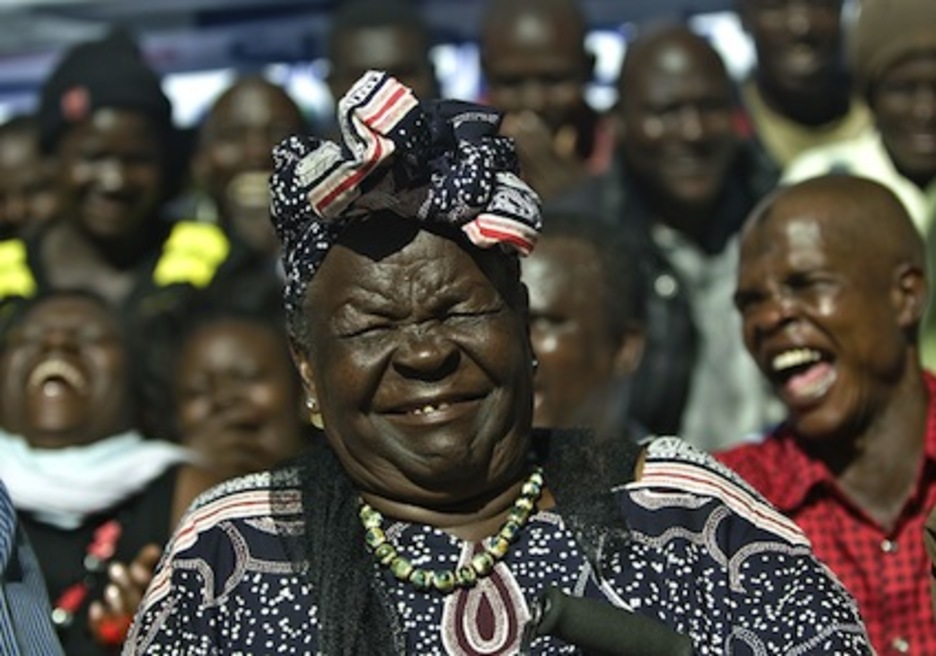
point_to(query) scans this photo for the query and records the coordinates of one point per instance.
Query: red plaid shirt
(888, 572)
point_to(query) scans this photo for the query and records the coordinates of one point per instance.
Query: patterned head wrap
(440, 161)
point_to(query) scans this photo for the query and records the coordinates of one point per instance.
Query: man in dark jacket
(681, 186)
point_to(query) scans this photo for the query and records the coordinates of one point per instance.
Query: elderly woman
(430, 523)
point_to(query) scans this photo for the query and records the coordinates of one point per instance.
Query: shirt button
(889, 546)
(900, 645)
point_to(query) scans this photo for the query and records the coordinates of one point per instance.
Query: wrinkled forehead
(387, 252)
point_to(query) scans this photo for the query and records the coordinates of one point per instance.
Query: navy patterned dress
(707, 556)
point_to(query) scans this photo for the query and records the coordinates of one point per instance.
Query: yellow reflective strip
(192, 254)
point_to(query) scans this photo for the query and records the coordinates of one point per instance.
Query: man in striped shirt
(25, 624)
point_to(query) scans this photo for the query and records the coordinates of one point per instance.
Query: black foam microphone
(600, 628)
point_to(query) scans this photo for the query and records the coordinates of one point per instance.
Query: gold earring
(315, 417)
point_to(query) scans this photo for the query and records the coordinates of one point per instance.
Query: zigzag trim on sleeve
(674, 465)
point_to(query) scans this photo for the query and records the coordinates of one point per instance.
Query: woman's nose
(425, 353)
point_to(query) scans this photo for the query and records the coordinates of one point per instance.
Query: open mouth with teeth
(56, 377)
(802, 374)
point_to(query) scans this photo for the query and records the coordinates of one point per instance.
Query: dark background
(199, 44)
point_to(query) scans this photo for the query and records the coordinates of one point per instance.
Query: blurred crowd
(739, 264)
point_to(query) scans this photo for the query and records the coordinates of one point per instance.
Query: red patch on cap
(76, 104)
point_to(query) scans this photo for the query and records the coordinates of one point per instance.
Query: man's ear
(910, 294)
(629, 351)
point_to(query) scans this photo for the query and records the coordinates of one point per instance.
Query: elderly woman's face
(64, 374)
(419, 357)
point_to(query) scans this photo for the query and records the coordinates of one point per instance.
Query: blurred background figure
(108, 123)
(219, 380)
(586, 325)
(89, 488)
(800, 93)
(27, 194)
(385, 35)
(237, 397)
(535, 70)
(234, 156)
(680, 188)
(893, 50)
(894, 53)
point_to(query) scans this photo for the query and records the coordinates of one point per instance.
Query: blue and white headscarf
(440, 161)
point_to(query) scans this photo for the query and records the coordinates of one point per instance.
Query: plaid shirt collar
(802, 473)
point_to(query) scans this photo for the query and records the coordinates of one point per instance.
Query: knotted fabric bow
(440, 161)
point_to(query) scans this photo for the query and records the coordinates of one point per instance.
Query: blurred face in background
(571, 331)
(112, 174)
(798, 42)
(676, 119)
(238, 396)
(903, 99)
(242, 129)
(65, 374)
(399, 50)
(27, 192)
(235, 155)
(535, 61)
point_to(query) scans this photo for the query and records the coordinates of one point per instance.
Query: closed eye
(365, 330)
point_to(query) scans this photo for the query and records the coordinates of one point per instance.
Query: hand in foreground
(110, 618)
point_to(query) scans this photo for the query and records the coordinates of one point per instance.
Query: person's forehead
(378, 44)
(916, 64)
(561, 263)
(119, 125)
(805, 221)
(232, 334)
(535, 30)
(252, 100)
(679, 59)
(69, 309)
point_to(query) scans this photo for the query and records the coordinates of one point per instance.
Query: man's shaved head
(858, 211)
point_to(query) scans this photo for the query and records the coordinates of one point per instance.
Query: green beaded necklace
(482, 564)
